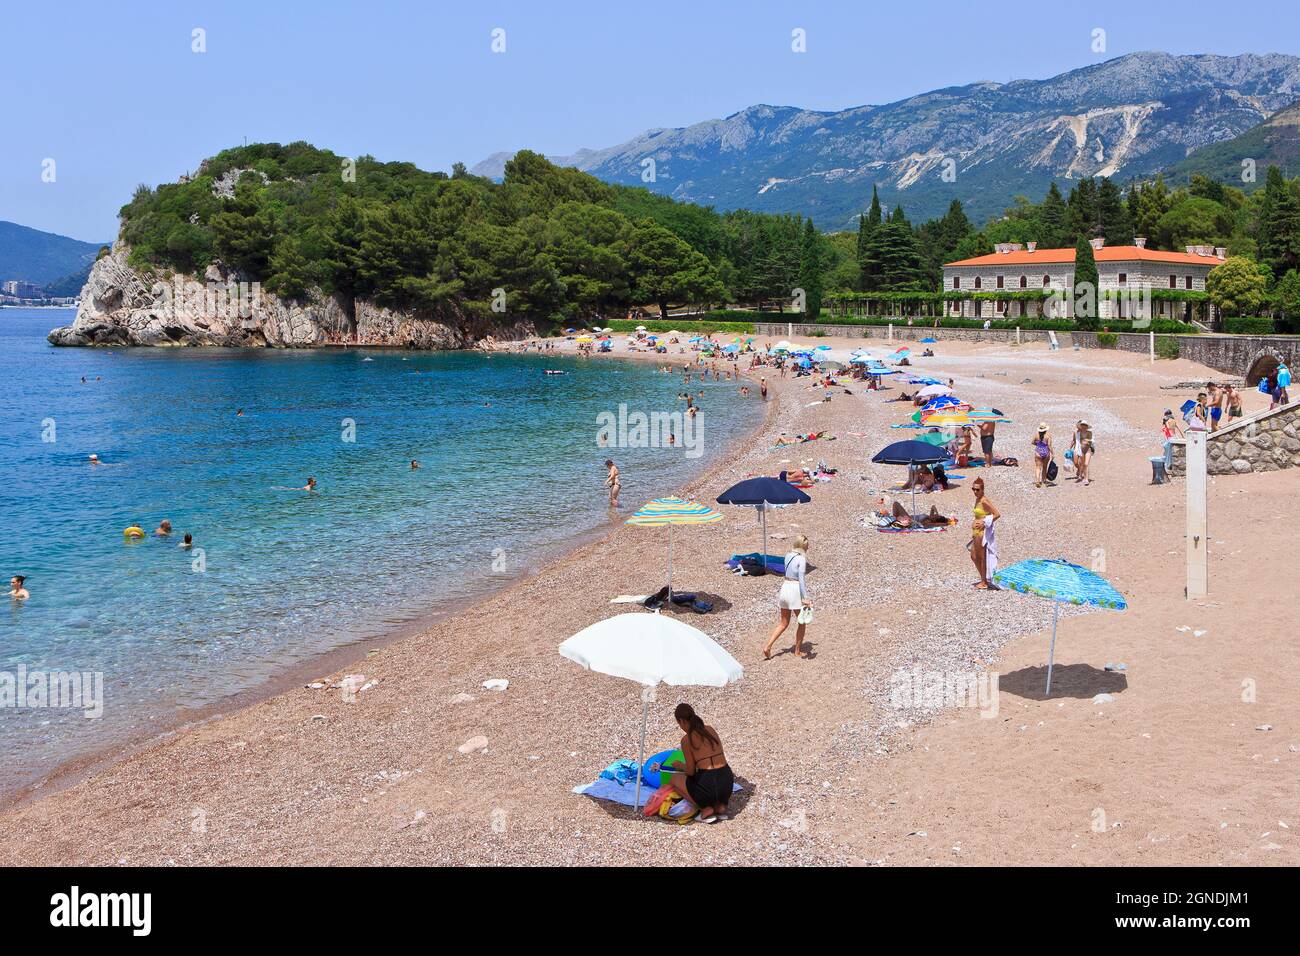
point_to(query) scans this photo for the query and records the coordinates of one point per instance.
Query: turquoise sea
(511, 472)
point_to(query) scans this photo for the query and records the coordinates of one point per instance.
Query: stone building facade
(1017, 268)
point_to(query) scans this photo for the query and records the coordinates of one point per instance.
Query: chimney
(1220, 252)
(1096, 243)
(1140, 241)
(1032, 246)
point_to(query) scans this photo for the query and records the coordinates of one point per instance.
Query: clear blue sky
(113, 93)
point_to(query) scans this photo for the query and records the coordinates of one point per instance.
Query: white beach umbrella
(932, 390)
(651, 649)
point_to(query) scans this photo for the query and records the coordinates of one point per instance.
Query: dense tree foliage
(556, 242)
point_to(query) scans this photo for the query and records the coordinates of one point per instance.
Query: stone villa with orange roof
(1016, 268)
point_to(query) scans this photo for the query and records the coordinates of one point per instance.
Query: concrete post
(1017, 335)
(789, 330)
(891, 331)
(1153, 347)
(1197, 568)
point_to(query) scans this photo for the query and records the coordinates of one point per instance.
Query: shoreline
(72, 770)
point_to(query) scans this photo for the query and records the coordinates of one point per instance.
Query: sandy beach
(1171, 767)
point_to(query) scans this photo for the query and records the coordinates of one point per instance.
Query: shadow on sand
(1068, 680)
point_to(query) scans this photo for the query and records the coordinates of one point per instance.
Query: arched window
(1047, 280)
(977, 282)
(1024, 282)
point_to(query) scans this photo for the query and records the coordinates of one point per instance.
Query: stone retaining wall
(1266, 441)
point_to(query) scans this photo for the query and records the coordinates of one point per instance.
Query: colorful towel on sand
(913, 528)
(603, 789)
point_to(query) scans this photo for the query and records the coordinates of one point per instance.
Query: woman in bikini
(984, 511)
(707, 780)
(1042, 445)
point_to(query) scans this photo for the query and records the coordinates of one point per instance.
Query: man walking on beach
(986, 441)
(762, 388)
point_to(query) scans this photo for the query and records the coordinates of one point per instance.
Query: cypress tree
(1086, 281)
(810, 270)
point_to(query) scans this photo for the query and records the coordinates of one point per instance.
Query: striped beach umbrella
(672, 512)
(1062, 583)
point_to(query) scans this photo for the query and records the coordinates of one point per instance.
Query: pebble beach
(1162, 757)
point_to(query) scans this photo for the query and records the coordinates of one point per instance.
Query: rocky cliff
(120, 305)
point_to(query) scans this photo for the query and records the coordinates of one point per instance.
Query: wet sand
(1171, 771)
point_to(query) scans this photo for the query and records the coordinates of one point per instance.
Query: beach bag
(1283, 376)
(1263, 386)
(805, 615)
(1052, 471)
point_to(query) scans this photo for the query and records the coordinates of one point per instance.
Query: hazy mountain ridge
(1126, 117)
(42, 257)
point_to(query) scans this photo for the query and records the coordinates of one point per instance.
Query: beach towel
(630, 599)
(894, 530)
(775, 562)
(990, 547)
(602, 789)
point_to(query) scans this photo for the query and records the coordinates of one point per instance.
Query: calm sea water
(286, 575)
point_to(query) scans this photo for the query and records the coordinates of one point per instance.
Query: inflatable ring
(135, 531)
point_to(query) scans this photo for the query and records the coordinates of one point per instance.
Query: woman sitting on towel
(707, 780)
(922, 479)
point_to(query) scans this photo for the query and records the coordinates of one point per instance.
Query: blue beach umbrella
(823, 348)
(763, 493)
(1062, 583)
(910, 453)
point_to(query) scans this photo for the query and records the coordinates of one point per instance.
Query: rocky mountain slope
(1274, 142)
(1126, 117)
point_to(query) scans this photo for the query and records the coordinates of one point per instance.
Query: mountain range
(983, 143)
(44, 258)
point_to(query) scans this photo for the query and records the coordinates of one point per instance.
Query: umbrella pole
(640, 757)
(1051, 653)
(670, 564)
(763, 512)
(911, 476)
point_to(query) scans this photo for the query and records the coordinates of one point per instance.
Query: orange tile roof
(1024, 257)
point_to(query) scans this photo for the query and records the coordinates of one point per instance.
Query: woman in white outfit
(793, 596)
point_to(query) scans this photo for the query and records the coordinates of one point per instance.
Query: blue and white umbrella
(1062, 583)
(763, 493)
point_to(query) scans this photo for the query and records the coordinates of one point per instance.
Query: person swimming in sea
(188, 542)
(164, 528)
(414, 464)
(310, 486)
(17, 589)
(94, 460)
